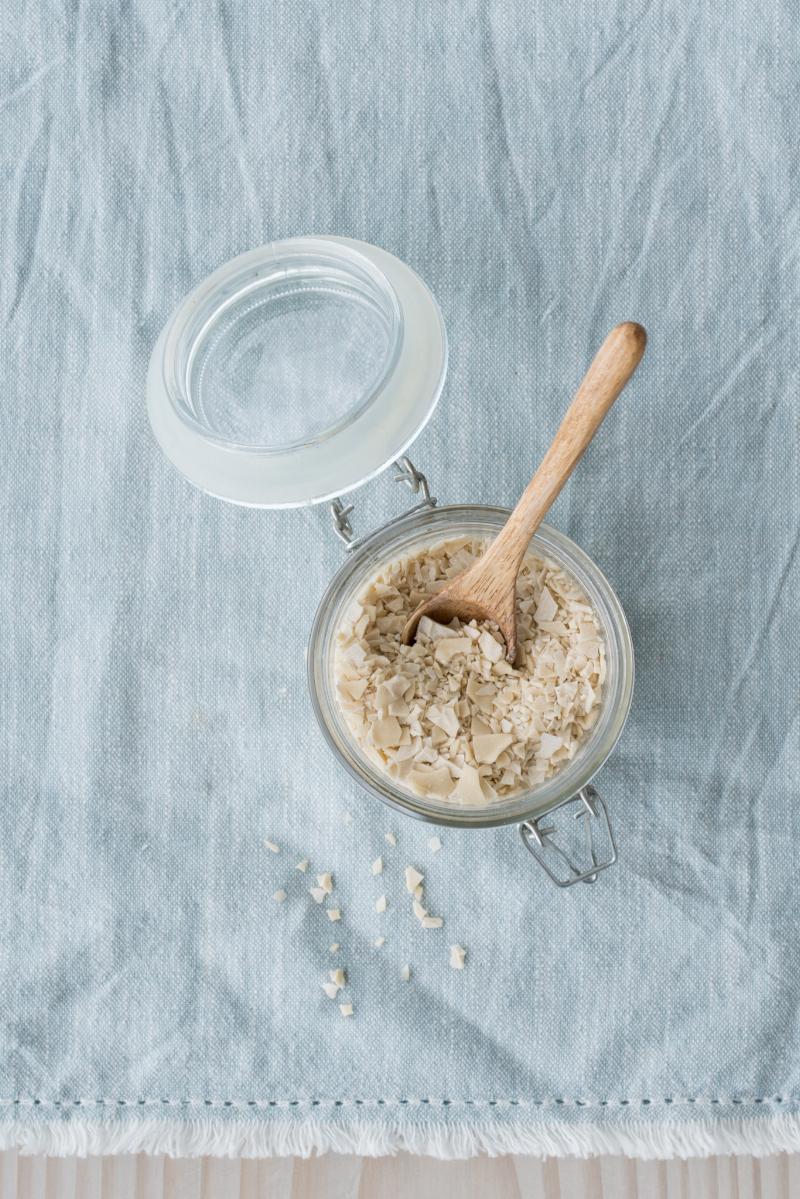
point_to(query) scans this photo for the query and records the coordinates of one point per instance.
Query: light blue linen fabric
(549, 169)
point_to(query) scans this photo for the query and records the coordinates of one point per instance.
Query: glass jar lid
(297, 371)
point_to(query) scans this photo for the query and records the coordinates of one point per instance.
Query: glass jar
(292, 375)
(424, 527)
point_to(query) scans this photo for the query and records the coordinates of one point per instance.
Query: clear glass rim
(189, 324)
(393, 539)
(384, 417)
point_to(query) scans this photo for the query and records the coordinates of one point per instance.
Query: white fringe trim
(759, 1137)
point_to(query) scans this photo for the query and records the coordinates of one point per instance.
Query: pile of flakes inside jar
(448, 717)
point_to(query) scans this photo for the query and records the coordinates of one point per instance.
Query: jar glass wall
(406, 536)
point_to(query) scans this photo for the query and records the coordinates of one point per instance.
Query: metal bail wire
(538, 839)
(406, 473)
(341, 520)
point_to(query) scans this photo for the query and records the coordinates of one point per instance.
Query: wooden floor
(338, 1177)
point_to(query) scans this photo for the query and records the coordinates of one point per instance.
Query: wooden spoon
(487, 590)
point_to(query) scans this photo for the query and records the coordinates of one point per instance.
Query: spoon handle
(612, 367)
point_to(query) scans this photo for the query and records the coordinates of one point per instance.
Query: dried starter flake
(336, 946)
(279, 896)
(413, 879)
(377, 866)
(432, 922)
(546, 608)
(334, 914)
(378, 942)
(386, 732)
(457, 957)
(488, 747)
(338, 976)
(490, 647)
(346, 1009)
(272, 847)
(448, 647)
(325, 882)
(302, 866)
(471, 789)
(380, 903)
(390, 838)
(317, 894)
(434, 844)
(331, 990)
(405, 974)
(448, 717)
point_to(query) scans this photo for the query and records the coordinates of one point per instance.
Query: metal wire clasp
(406, 473)
(538, 839)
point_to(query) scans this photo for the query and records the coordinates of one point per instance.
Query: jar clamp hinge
(406, 473)
(538, 838)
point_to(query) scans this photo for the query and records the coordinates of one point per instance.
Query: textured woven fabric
(549, 170)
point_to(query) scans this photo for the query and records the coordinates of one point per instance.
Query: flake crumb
(302, 866)
(457, 957)
(434, 845)
(419, 911)
(334, 913)
(413, 879)
(326, 882)
(331, 990)
(379, 941)
(487, 747)
(272, 847)
(390, 838)
(405, 974)
(346, 1009)
(335, 947)
(547, 607)
(380, 903)
(279, 896)
(377, 866)
(317, 894)
(432, 922)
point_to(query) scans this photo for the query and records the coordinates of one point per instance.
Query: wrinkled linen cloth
(549, 170)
